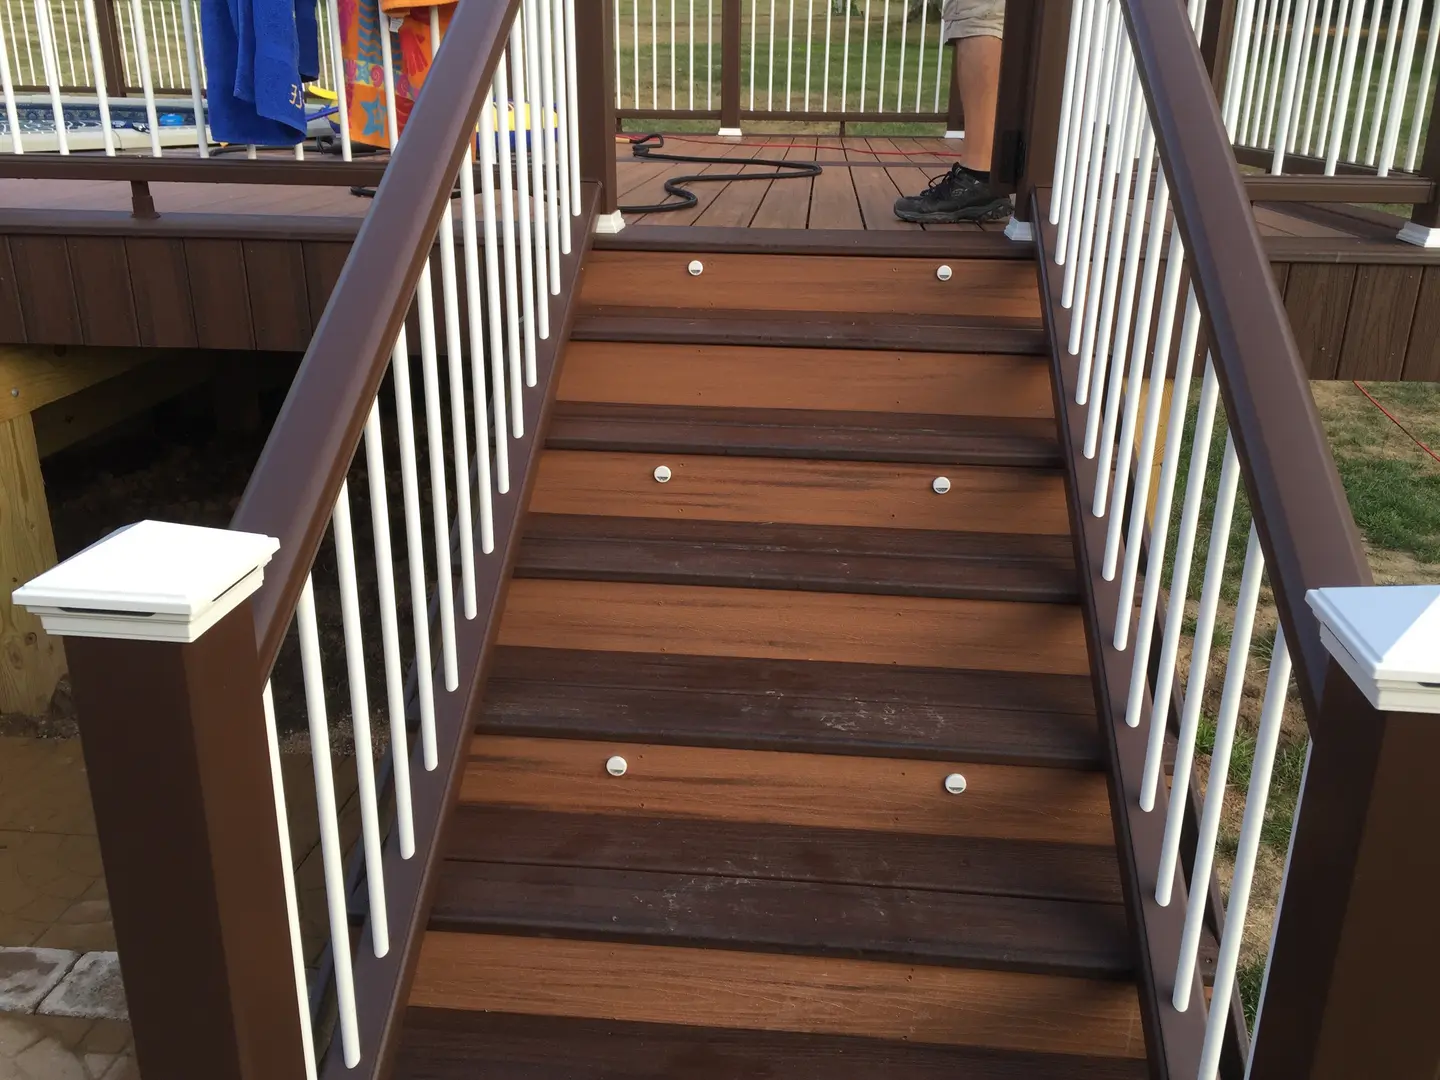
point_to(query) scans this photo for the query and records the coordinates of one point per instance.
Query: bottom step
(441, 1044)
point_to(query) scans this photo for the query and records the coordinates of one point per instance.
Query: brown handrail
(312, 172)
(325, 412)
(1301, 513)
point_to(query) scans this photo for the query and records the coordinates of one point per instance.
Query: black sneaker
(959, 195)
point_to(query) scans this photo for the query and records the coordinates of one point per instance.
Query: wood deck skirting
(251, 268)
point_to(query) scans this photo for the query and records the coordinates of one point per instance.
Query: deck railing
(178, 637)
(1155, 273)
(806, 60)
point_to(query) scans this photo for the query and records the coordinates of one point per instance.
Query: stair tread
(755, 914)
(808, 705)
(816, 434)
(798, 328)
(821, 558)
(440, 1044)
(1021, 868)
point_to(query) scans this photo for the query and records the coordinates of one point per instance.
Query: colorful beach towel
(411, 50)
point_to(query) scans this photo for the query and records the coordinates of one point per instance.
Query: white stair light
(940, 485)
(696, 268)
(955, 784)
(151, 581)
(944, 273)
(662, 474)
(1387, 638)
(616, 766)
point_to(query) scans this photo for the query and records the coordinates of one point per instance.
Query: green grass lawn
(858, 75)
(1393, 488)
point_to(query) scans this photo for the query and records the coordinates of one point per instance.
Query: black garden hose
(644, 148)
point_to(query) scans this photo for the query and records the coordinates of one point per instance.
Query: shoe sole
(956, 217)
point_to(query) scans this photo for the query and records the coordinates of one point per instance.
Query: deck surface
(857, 189)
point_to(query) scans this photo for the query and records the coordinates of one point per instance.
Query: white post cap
(1387, 638)
(151, 581)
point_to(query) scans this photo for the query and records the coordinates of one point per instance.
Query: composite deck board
(991, 635)
(915, 926)
(840, 380)
(895, 795)
(823, 435)
(758, 556)
(618, 279)
(787, 203)
(817, 707)
(833, 203)
(779, 852)
(756, 991)
(448, 1045)
(810, 330)
(894, 495)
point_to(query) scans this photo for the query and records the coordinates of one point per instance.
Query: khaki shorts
(973, 18)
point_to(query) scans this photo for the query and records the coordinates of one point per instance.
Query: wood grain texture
(816, 707)
(1422, 359)
(47, 290)
(841, 380)
(12, 321)
(987, 635)
(220, 294)
(1317, 296)
(801, 492)
(31, 662)
(618, 279)
(160, 281)
(1008, 802)
(1023, 868)
(36, 375)
(1378, 331)
(448, 1045)
(975, 566)
(802, 433)
(944, 1006)
(103, 295)
(279, 300)
(917, 926)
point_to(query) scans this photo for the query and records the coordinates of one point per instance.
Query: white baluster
(1342, 98)
(12, 115)
(1199, 670)
(1262, 768)
(1108, 114)
(1402, 88)
(501, 328)
(1372, 41)
(360, 723)
(202, 140)
(332, 855)
(51, 64)
(1088, 103)
(1209, 832)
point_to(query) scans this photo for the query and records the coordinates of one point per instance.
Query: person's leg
(964, 194)
(979, 61)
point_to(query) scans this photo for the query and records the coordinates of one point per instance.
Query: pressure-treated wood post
(1351, 991)
(180, 761)
(595, 73)
(730, 67)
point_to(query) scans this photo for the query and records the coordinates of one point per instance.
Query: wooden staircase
(792, 643)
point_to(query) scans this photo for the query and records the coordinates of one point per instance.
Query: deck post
(1423, 228)
(1030, 136)
(111, 57)
(168, 687)
(1351, 988)
(1217, 36)
(730, 67)
(595, 73)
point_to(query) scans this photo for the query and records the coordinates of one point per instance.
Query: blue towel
(271, 46)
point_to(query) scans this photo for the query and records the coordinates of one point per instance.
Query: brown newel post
(954, 111)
(730, 65)
(1352, 990)
(595, 60)
(111, 58)
(178, 758)
(1428, 214)
(1032, 81)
